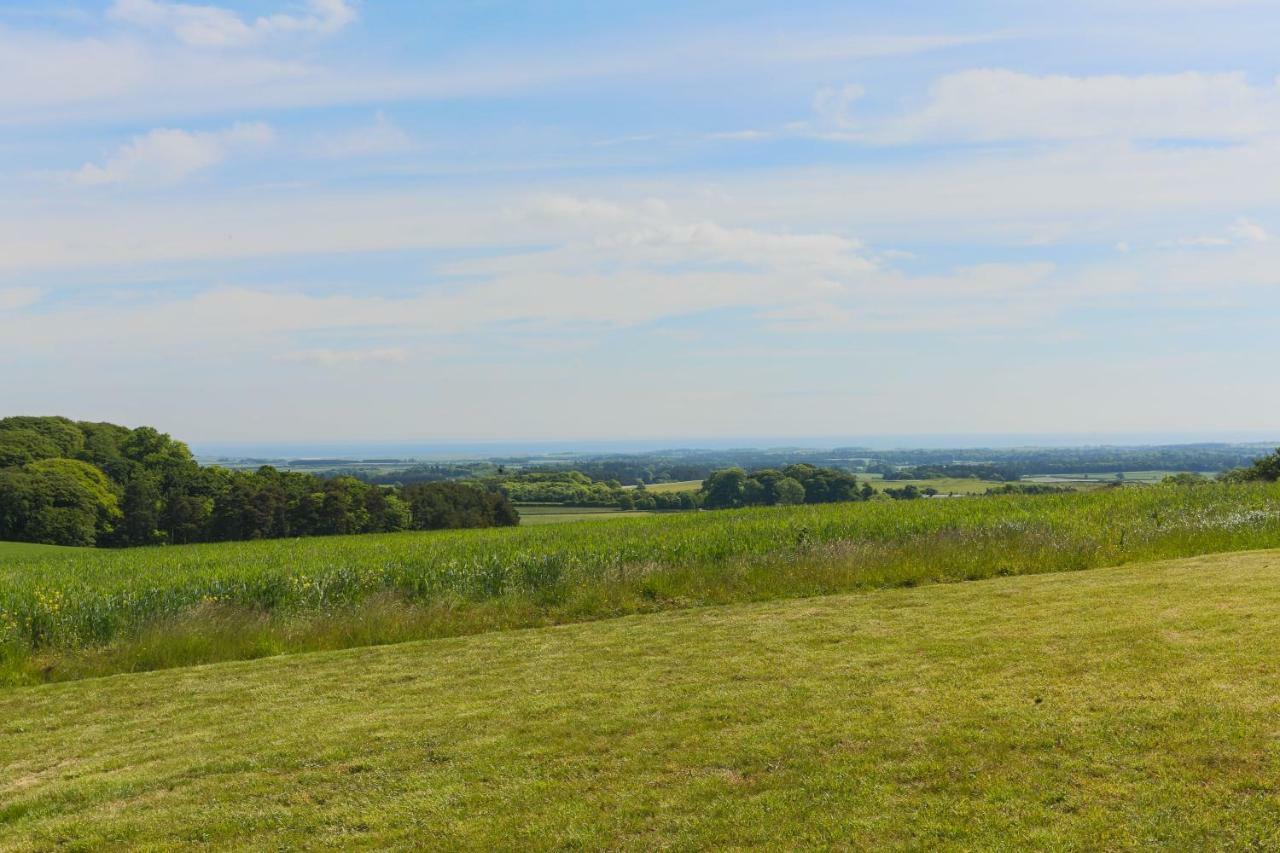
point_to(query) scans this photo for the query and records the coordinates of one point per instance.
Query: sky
(476, 220)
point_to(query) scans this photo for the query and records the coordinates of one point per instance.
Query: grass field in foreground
(1117, 708)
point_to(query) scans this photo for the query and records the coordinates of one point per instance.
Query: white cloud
(13, 298)
(1248, 230)
(166, 156)
(383, 136)
(122, 74)
(215, 26)
(1243, 230)
(988, 105)
(833, 104)
(339, 358)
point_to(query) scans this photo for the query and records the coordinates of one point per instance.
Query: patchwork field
(944, 485)
(1117, 708)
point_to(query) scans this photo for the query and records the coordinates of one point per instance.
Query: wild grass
(1120, 709)
(86, 613)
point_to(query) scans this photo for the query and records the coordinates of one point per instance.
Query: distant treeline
(794, 484)
(1001, 465)
(64, 482)
(1012, 463)
(1266, 469)
(976, 471)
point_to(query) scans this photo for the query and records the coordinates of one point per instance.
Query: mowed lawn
(1111, 708)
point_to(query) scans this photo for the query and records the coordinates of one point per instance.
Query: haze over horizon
(328, 221)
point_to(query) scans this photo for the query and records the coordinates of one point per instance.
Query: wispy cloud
(216, 26)
(382, 136)
(990, 105)
(339, 358)
(166, 156)
(13, 298)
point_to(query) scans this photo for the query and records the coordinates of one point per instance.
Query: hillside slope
(1110, 708)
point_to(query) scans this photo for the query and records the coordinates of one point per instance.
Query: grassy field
(678, 486)
(89, 613)
(1113, 709)
(944, 485)
(1128, 477)
(25, 550)
(532, 515)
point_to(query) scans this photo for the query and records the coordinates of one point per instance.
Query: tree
(436, 506)
(789, 491)
(21, 446)
(142, 507)
(62, 432)
(1266, 469)
(64, 502)
(724, 489)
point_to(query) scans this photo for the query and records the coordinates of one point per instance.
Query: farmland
(1119, 708)
(944, 485)
(533, 515)
(678, 486)
(24, 550)
(73, 614)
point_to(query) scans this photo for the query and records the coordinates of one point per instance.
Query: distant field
(1128, 476)
(535, 515)
(944, 485)
(1114, 709)
(680, 486)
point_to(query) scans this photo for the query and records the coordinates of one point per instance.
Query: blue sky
(337, 220)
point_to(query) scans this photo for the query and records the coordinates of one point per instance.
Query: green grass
(90, 613)
(1130, 708)
(25, 550)
(676, 486)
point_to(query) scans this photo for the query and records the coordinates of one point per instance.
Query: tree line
(801, 483)
(64, 482)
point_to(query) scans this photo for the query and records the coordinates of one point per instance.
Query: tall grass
(86, 612)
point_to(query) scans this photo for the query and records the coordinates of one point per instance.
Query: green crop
(52, 603)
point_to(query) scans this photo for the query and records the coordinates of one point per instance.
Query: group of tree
(1011, 463)
(958, 471)
(795, 484)
(574, 488)
(1266, 469)
(64, 482)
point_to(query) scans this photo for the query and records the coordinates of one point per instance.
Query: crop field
(944, 485)
(68, 615)
(677, 486)
(536, 514)
(1122, 708)
(1126, 476)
